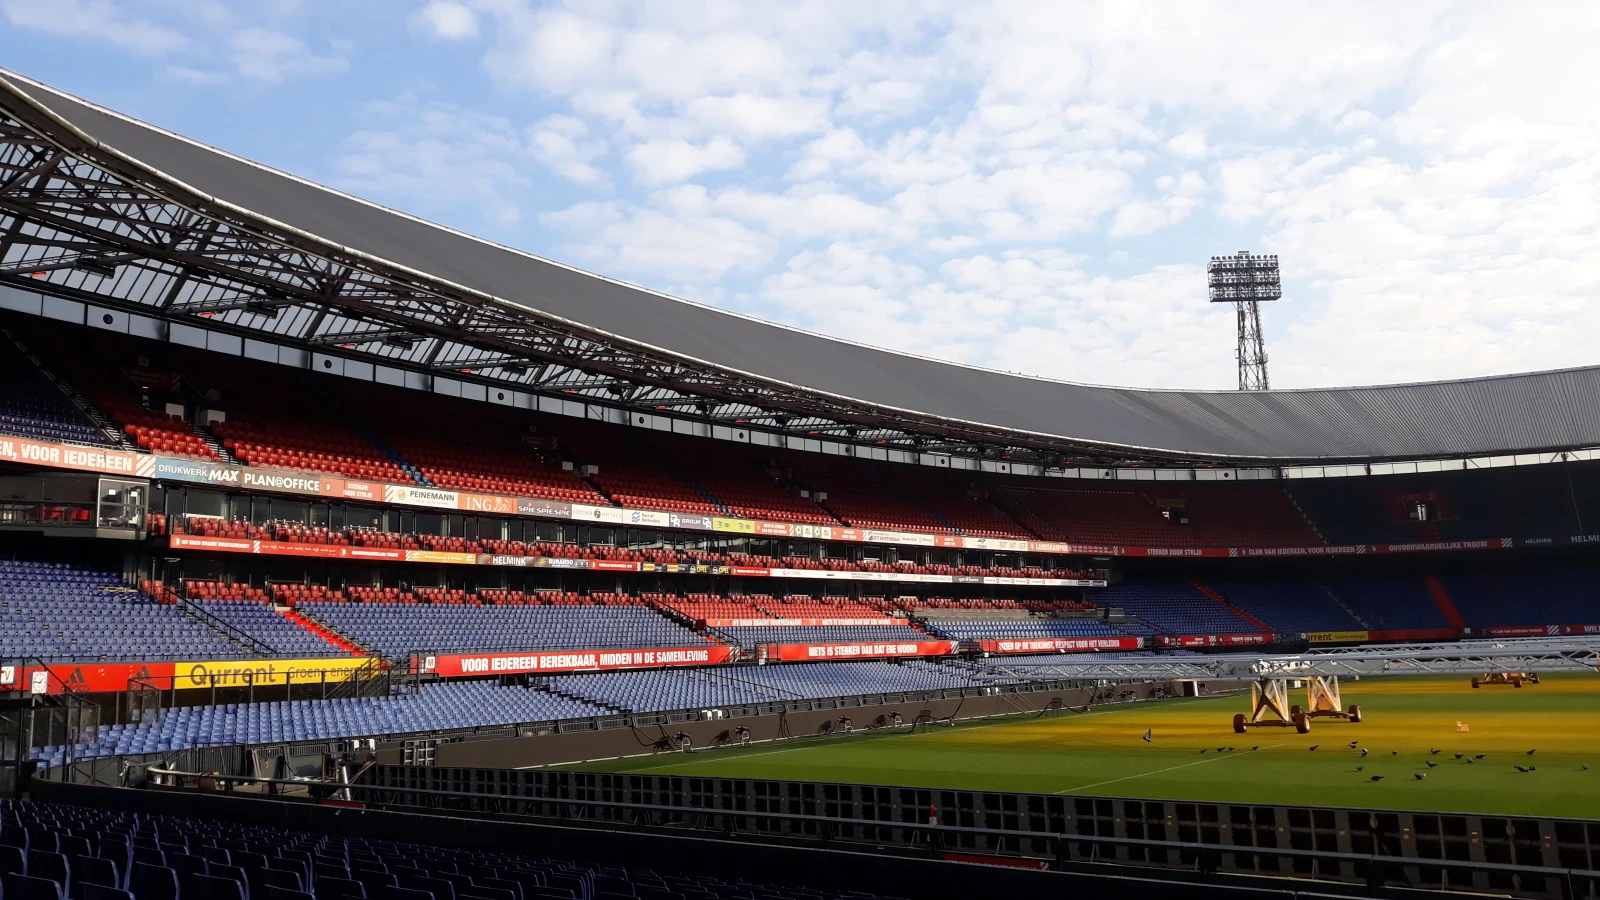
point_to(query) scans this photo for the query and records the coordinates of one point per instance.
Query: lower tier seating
(99, 854)
(692, 689)
(431, 707)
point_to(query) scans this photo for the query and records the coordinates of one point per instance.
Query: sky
(1032, 187)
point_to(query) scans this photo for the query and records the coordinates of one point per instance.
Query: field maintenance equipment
(1269, 704)
(1515, 679)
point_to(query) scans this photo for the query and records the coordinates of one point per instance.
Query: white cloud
(686, 247)
(95, 20)
(430, 158)
(670, 160)
(561, 142)
(267, 55)
(1190, 144)
(447, 20)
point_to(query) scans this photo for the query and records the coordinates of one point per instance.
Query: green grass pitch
(1102, 752)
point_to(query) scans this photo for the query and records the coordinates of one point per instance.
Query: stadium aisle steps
(1441, 597)
(1264, 627)
(317, 629)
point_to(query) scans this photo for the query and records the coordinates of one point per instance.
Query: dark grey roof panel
(1494, 415)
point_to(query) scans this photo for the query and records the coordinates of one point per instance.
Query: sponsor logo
(270, 481)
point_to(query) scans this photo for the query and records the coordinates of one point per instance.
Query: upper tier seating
(1565, 596)
(31, 406)
(503, 456)
(1290, 606)
(1173, 608)
(1220, 515)
(746, 481)
(1389, 603)
(858, 494)
(397, 630)
(753, 635)
(168, 857)
(1022, 629)
(57, 612)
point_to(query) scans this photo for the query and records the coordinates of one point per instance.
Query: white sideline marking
(1201, 762)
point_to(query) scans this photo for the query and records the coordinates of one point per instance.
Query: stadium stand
(1173, 608)
(1022, 629)
(31, 406)
(100, 854)
(428, 707)
(1526, 597)
(396, 630)
(1232, 515)
(52, 611)
(1289, 605)
(1389, 602)
(688, 689)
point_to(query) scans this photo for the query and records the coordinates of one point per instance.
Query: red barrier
(458, 665)
(814, 652)
(82, 677)
(1057, 644)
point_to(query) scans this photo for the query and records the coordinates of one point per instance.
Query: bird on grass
(1313, 746)
(1419, 775)
(1469, 761)
(1480, 756)
(1377, 778)
(1220, 749)
(1432, 764)
(1522, 768)
(1360, 768)
(1258, 747)
(1202, 751)
(1230, 749)
(1586, 767)
(1433, 751)
(1394, 752)
(1147, 735)
(1533, 751)
(1459, 755)
(1353, 744)
(1363, 752)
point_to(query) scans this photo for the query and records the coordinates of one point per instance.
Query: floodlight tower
(1245, 279)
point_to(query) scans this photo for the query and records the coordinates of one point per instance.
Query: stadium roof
(252, 248)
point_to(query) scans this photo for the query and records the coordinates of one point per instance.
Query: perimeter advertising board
(264, 672)
(815, 652)
(459, 665)
(1057, 645)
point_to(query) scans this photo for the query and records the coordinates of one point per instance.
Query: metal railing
(1056, 850)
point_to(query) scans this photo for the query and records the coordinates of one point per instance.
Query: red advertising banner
(82, 677)
(74, 456)
(1061, 644)
(815, 652)
(1415, 634)
(459, 665)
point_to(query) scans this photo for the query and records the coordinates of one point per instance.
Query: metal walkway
(1556, 654)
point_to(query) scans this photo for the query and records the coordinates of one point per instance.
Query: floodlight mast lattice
(1245, 279)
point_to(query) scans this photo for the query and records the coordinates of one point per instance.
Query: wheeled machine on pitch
(1269, 705)
(1515, 679)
